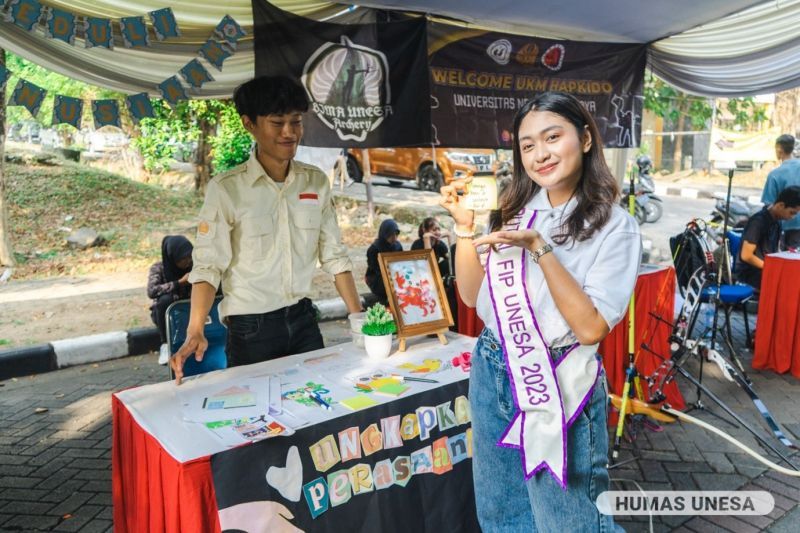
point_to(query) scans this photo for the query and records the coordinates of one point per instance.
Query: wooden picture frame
(416, 294)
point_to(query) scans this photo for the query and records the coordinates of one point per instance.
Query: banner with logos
(367, 83)
(478, 81)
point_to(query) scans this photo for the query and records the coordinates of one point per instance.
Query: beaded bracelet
(464, 235)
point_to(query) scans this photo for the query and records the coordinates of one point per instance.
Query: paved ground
(55, 465)
(686, 457)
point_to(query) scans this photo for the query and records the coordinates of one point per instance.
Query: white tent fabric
(709, 47)
(755, 51)
(142, 69)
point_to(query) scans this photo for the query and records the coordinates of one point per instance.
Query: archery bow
(667, 414)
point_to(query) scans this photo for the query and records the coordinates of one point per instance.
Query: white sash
(548, 396)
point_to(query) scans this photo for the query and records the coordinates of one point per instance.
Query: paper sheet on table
(202, 402)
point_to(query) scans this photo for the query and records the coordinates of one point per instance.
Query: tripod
(715, 299)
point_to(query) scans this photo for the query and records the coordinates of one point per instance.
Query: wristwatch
(539, 252)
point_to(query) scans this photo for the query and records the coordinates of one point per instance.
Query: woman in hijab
(386, 242)
(168, 281)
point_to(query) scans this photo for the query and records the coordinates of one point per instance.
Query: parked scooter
(653, 209)
(648, 206)
(739, 213)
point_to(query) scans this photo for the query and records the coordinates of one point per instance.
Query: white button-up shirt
(262, 242)
(605, 266)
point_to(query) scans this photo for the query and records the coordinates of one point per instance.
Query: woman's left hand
(525, 238)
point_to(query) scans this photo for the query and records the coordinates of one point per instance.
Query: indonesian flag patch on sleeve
(309, 198)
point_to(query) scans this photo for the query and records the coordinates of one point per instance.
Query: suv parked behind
(417, 164)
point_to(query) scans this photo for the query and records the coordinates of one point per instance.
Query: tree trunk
(202, 157)
(787, 109)
(368, 185)
(6, 252)
(677, 154)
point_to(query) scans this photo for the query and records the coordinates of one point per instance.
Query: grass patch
(46, 200)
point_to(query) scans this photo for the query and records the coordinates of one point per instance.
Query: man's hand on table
(196, 344)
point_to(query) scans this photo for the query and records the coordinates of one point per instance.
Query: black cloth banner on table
(420, 502)
(368, 83)
(480, 79)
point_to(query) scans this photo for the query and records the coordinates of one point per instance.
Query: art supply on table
(393, 389)
(403, 379)
(358, 402)
(318, 399)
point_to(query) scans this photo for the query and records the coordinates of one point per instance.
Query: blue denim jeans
(504, 500)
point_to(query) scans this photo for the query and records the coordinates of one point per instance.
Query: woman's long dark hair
(597, 190)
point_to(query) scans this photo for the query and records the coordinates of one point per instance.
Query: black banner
(367, 82)
(402, 466)
(479, 80)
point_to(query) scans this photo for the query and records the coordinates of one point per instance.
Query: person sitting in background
(167, 282)
(386, 242)
(430, 237)
(762, 235)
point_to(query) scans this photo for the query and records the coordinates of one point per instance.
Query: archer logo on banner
(27, 95)
(67, 110)
(24, 13)
(105, 113)
(349, 89)
(60, 25)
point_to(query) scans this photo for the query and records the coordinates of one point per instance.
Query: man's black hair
(786, 142)
(790, 196)
(270, 95)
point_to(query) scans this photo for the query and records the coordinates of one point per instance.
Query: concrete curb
(58, 354)
(753, 196)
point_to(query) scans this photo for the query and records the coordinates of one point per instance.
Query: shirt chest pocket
(306, 222)
(257, 238)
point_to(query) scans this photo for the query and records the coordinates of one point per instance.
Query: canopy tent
(713, 47)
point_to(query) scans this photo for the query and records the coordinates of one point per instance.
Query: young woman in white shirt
(550, 280)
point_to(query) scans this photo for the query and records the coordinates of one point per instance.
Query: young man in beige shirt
(263, 227)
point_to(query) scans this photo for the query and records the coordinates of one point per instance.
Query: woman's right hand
(453, 200)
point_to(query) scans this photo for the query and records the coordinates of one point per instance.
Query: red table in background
(778, 332)
(655, 291)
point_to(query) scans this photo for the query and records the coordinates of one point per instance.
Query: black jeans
(159, 314)
(286, 331)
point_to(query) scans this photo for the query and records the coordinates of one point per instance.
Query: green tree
(686, 111)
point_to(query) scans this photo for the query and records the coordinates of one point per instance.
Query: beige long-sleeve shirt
(263, 241)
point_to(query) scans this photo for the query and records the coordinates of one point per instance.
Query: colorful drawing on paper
(428, 366)
(299, 394)
(250, 429)
(415, 289)
(230, 398)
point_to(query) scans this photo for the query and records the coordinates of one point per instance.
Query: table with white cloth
(403, 463)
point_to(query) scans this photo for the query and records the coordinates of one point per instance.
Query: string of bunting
(65, 26)
(68, 110)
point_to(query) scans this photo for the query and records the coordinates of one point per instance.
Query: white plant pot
(378, 346)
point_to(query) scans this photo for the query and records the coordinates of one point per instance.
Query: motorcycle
(648, 207)
(739, 213)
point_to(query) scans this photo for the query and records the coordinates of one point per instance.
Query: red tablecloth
(655, 291)
(151, 491)
(778, 331)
